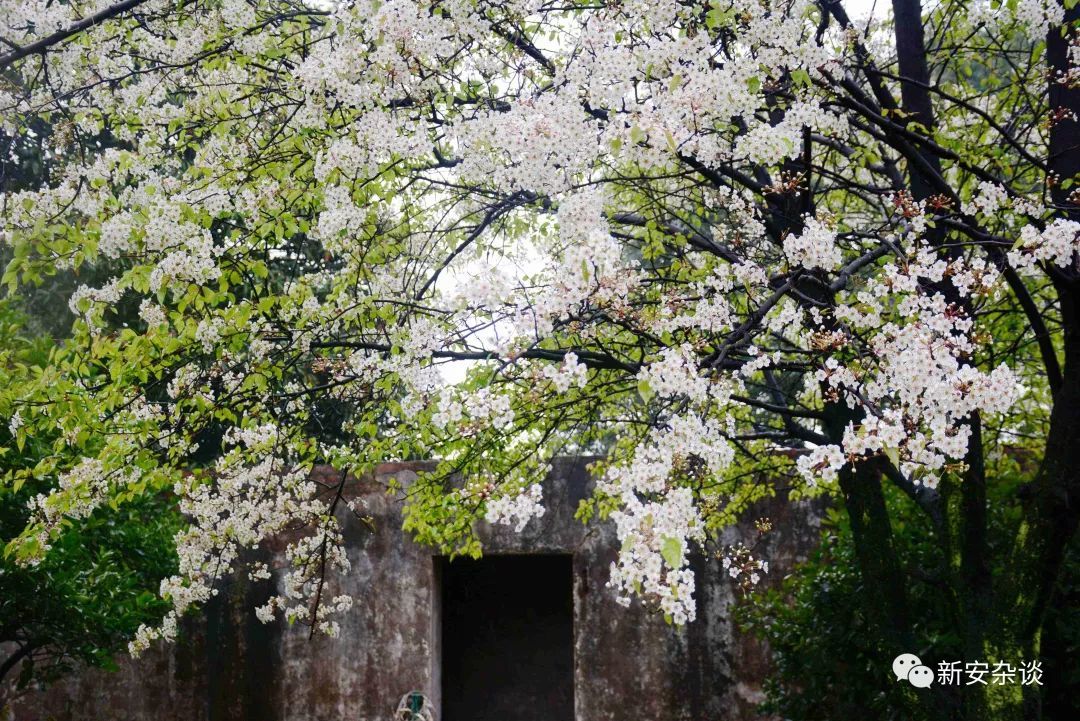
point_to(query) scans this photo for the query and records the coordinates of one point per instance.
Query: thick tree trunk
(1012, 624)
(916, 100)
(884, 588)
(13, 660)
(1052, 504)
(883, 579)
(973, 584)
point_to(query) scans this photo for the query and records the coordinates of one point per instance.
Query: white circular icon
(902, 664)
(921, 676)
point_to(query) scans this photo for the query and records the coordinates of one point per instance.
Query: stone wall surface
(629, 664)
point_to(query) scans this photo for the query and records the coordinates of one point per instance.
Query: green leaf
(644, 390)
(671, 550)
(893, 455)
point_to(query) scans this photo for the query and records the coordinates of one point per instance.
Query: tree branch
(42, 45)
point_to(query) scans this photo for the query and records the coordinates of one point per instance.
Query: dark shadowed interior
(507, 635)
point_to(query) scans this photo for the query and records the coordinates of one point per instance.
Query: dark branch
(42, 45)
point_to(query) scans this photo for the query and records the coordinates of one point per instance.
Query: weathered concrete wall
(629, 664)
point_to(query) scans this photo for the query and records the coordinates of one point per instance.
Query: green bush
(827, 655)
(90, 593)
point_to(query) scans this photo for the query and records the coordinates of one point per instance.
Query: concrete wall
(628, 663)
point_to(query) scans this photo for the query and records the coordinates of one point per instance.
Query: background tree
(83, 602)
(735, 245)
(825, 649)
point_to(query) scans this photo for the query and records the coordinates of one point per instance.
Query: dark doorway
(508, 639)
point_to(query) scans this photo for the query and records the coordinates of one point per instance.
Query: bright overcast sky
(860, 8)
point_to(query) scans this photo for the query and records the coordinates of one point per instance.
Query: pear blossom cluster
(741, 565)
(656, 538)
(516, 510)
(84, 488)
(1055, 244)
(235, 510)
(821, 464)
(815, 247)
(915, 387)
(570, 373)
(658, 522)
(480, 407)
